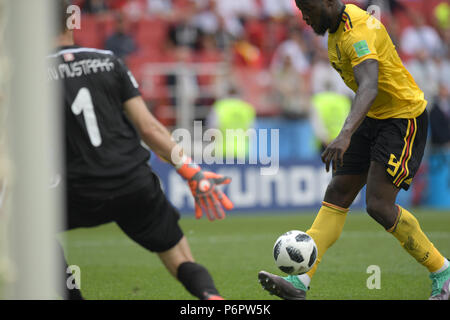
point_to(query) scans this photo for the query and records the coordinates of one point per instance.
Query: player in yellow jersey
(380, 145)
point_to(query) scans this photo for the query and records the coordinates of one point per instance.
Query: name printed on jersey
(80, 68)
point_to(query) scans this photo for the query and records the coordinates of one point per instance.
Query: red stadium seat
(151, 33)
(88, 35)
(208, 56)
(108, 24)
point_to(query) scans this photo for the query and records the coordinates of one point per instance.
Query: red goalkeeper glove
(203, 184)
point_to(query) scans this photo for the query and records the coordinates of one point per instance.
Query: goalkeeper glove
(208, 198)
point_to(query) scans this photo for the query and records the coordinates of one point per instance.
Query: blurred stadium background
(189, 55)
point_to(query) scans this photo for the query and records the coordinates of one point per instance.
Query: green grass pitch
(235, 249)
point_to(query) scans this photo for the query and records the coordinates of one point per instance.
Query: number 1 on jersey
(83, 104)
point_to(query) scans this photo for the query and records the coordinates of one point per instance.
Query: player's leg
(381, 196)
(149, 219)
(396, 158)
(329, 221)
(80, 212)
(194, 277)
(345, 185)
(186, 249)
(325, 230)
(176, 256)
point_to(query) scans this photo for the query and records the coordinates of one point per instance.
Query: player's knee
(379, 210)
(338, 196)
(374, 206)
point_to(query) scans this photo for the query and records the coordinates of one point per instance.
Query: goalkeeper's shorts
(398, 144)
(146, 216)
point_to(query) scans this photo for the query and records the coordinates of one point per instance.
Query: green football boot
(440, 286)
(287, 288)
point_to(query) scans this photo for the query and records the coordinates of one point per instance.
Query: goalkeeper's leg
(158, 231)
(194, 277)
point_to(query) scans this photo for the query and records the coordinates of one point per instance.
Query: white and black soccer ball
(295, 252)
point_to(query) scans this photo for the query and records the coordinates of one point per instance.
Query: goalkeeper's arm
(152, 132)
(203, 184)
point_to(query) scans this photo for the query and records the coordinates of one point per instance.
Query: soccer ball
(295, 252)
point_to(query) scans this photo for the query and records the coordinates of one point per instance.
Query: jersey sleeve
(129, 87)
(359, 44)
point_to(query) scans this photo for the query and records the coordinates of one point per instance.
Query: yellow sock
(326, 229)
(407, 230)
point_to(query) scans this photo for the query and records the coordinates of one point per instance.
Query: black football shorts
(396, 143)
(146, 216)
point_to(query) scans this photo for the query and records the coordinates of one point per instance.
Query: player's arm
(366, 76)
(203, 184)
(152, 132)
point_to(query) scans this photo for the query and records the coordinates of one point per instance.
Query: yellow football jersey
(361, 37)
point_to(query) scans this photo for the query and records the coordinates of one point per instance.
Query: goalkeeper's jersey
(361, 37)
(104, 155)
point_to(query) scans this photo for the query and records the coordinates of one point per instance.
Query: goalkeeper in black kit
(107, 175)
